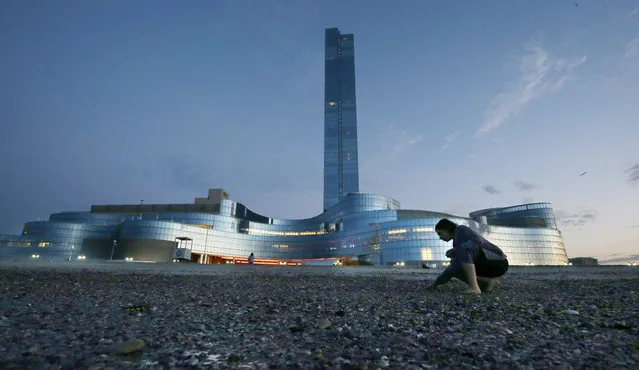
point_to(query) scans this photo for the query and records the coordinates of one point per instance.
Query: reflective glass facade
(526, 215)
(341, 173)
(365, 227)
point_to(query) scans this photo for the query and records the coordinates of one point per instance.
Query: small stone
(131, 346)
(621, 325)
(383, 362)
(508, 331)
(233, 358)
(324, 324)
(213, 358)
(53, 359)
(296, 329)
(571, 312)
(193, 362)
(341, 360)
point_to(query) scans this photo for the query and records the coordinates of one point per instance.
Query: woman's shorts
(490, 268)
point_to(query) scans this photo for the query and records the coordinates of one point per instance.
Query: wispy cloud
(578, 220)
(540, 73)
(391, 145)
(633, 174)
(396, 140)
(528, 200)
(525, 186)
(490, 189)
(632, 48)
(449, 139)
(633, 13)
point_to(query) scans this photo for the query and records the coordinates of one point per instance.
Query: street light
(206, 239)
(115, 242)
(379, 244)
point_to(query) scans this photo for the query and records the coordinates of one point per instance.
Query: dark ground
(314, 317)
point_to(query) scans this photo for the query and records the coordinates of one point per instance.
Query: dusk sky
(461, 105)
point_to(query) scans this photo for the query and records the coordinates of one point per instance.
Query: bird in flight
(583, 173)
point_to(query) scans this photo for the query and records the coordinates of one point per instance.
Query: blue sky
(461, 106)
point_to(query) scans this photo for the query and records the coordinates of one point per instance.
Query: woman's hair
(446, 225)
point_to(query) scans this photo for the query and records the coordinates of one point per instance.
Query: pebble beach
(83, 315)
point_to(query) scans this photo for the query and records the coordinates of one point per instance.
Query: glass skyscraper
(341, 170)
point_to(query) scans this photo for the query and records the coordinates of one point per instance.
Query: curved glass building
(353, 226)
(362, 227)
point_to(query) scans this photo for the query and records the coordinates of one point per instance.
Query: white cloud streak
(632, 48)
(540, 73)
(397, 141)
(393, 143)
(525, 186)
(577, 220)
(633, 13)
(449, 139)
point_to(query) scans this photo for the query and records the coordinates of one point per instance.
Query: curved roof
(515, 208)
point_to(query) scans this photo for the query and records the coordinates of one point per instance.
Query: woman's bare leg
(471, 276)
(490, 283)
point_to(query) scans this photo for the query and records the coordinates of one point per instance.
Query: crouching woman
(475, 260)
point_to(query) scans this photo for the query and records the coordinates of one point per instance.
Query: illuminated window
(427, 254)
(331, 103)
(283, 233)
(422, 229)
(397, 231)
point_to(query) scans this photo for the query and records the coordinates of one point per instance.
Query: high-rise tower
(341, 170)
